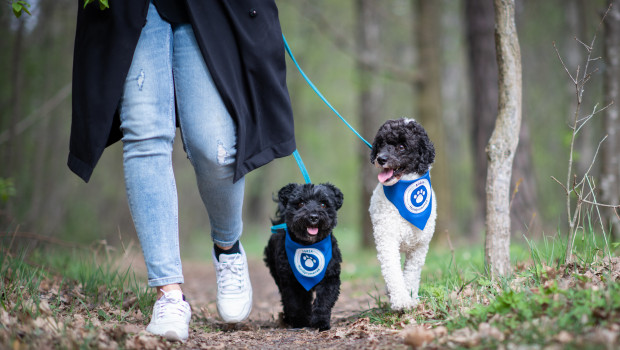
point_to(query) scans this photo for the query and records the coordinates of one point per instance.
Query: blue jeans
(166, 61)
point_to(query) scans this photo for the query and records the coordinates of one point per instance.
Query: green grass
(19, 285)
(542, 298)
(541, 302)
(89, 283)
(54, 298)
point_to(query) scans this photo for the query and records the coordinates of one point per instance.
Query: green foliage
(540, 301)
(19, 7)
(19, 284)
(7, 189)
(103, 4)
(100, 283)
(73, 283)
(572, 309)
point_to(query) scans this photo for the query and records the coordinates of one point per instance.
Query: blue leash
(275, 228)
(302, 167)
(290, 53)
(300, 163)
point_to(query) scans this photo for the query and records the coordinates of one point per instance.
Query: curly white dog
(403, 207)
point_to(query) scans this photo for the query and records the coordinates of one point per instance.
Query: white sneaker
(171, 315)
(234, 290)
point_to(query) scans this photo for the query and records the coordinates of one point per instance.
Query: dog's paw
(320, 323)
(402, 304)
(296, 321)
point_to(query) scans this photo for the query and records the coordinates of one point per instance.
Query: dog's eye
(401, 147)
(301, 204)
(323, 205)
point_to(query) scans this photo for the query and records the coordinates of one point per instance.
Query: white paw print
(419, 196)
(309, 261)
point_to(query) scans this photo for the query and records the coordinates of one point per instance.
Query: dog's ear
(373, 151)
(376, 143)
(285, 193)
(380, 138)
(338, 196)
(423, 145)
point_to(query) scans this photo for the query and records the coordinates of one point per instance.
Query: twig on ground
(13, 238)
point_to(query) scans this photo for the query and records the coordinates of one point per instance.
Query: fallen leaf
(603, 336)
(440, 331)
(44, 307)
(487, 331)
(564, 337)
(5, 318)
(129, 302)
(417, 336)
(465, 336)
(131, 328)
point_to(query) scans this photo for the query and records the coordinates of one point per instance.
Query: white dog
(403, 206)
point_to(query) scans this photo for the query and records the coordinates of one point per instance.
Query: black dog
(309, 212)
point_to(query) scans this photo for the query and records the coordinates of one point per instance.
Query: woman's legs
(148, 126)
(209, 137)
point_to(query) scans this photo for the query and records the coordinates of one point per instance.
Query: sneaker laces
(171, 306)
(230, 275)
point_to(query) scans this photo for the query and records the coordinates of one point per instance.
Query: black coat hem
(284, 149)
(80, 168)
(280, 150)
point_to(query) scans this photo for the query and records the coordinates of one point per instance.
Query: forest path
(262, 329)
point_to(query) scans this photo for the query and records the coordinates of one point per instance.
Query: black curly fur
(403, 145)
(300, 207)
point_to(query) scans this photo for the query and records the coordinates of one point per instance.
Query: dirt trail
(262, 330)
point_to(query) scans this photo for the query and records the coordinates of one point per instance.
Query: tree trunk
(480, 22)
(524, 197)
(370, 97)
(428, 96)
(610, 177)
(16, 101)
(504, 139)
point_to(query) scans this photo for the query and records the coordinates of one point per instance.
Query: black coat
(241, 42)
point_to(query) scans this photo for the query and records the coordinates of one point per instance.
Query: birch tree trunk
(610, 177)
(504, 139)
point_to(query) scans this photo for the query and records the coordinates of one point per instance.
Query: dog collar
(412, 199)
(308, 262)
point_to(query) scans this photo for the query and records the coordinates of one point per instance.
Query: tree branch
(343, 44)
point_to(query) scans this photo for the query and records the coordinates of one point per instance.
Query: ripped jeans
(166, 61)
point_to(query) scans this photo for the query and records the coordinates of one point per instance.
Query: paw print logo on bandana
(417, 196)
(309, 261)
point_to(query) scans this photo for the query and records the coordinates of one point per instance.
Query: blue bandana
(412, 199)
(308, 262)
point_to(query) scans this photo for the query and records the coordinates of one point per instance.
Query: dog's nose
(382, 159)
(314, 218)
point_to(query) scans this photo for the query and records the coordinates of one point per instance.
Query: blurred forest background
(374, 60)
